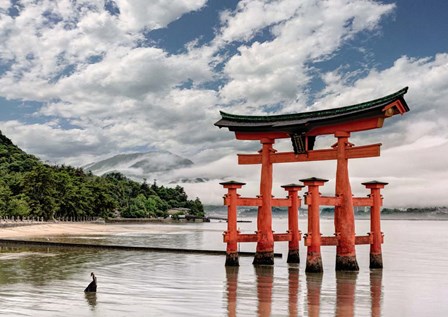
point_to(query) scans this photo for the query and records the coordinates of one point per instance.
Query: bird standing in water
(92, 286)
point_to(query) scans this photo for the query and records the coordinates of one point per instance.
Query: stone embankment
(24, 221)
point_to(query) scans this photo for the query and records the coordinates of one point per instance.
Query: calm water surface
(50, 282)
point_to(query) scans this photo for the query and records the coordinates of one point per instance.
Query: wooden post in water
(293, 222)
(265, 244)
(344, 217)
(231, 235)
(313, 237)
(376, 258)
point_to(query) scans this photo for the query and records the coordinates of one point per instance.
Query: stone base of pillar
(293, 256)
(263, 258)
(232, 259)
(376, 261)
(314, 263)
(346, 263)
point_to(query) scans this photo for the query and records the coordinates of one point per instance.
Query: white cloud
(4, 4)
(138, 14)
(131, 73)
(51, 143)
(253, 16)
(43, 47)
(277, 70)
(45, 42)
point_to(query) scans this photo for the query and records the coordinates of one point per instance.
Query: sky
(81, 81)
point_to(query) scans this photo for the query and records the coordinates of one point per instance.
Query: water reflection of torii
(345, 292)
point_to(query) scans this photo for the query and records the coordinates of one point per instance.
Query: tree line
(31, 188)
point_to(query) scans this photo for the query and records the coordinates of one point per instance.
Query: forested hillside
(28, 187)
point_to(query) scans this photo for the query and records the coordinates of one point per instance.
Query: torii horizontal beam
(363, 151)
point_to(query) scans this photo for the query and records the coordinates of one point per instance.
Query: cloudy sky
(85, 80)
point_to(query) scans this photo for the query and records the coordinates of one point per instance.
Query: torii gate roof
(358, 117)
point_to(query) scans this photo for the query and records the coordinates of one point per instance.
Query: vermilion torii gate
(302, 129)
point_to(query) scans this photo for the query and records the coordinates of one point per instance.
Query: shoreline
(67, 229)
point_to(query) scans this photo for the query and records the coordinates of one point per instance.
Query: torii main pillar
(265, 244)
(344, 218)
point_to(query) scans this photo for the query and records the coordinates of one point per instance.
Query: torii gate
(302, 129)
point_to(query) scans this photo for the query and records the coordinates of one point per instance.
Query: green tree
(159, 205)
(39, 186)
(18, 206)
(137, 208)
(5, 196)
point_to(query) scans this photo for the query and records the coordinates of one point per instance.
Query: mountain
(13, 159)
(139, 165)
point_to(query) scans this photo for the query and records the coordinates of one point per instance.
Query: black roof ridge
(317, 113)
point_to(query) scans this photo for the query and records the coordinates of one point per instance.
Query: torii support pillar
(265, 241)
(313, 237)
(376, 258)
(232, 231)
(293, 222)
(344, 217)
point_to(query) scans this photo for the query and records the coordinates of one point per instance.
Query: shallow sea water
(50, 282)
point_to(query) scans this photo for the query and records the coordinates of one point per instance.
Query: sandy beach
(73, 229)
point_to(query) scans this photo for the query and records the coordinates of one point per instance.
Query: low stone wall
(24, 221)
(36, 243)
(155, 220)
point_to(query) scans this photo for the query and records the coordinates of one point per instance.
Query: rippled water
(50, 282)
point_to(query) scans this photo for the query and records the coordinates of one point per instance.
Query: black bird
(92, 286)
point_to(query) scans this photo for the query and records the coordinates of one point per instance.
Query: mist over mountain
(192, 180)
(140, 165)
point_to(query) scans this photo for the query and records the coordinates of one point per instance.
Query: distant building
(176, 211)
